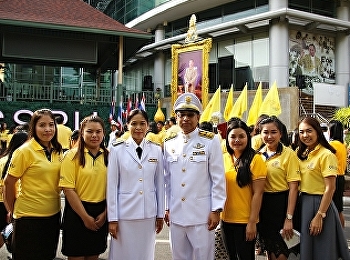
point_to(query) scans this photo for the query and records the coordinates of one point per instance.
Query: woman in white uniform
(135, 192)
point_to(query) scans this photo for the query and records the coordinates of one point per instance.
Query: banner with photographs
(311, 59)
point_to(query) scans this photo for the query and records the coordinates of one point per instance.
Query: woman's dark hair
(17, 140)
(23, 127)
(281, 127)
(173, 120)
(12, 129)
(32, 124)
(160, 122)
(207, 126)
(125, 128)
(134, 112)
(59, 119)
(244, 175)
(2, 126)
(313, 122)
(118, 133)
(257, 123)
(336, 130)
(75, 135)
(81, 143)
(152, 128)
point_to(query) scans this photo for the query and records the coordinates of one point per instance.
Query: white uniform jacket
(194, 177)
(135, 187)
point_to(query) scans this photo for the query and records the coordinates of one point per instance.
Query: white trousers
(192, 242)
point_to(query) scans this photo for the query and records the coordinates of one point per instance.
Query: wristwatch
(289, 216)
(217, 211)
(323, 214)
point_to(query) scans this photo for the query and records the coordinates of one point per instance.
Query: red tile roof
(71, 13)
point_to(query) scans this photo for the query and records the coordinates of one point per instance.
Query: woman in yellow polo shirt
(3, 136)
(336, 140)
(256, 137)
(322, 235)
(281, 190)
(84, 180)
(16, 141)
(37, 209)
(245, 173)
(153, 134)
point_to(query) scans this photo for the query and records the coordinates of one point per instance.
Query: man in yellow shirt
(63, 133)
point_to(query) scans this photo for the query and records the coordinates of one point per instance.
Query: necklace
(236, 162)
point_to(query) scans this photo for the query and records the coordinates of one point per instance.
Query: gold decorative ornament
(191, 35)
(159, 115)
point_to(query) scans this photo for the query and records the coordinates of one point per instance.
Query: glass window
(322, 7)
(243, 52)
(260, 51)
(261, 57)
(226, 48)
(213, 54)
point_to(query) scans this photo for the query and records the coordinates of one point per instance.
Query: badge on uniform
(198, 146)
(153, 160)
(199, 153)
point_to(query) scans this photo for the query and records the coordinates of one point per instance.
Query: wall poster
(311, 59)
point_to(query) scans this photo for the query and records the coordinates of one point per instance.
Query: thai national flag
(128, 106)
(120, 113)
(143, 103)
(137, 104)
(112, 111)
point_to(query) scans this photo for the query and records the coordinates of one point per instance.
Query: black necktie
(139, 152)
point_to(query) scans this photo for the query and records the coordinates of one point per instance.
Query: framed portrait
(190, 63)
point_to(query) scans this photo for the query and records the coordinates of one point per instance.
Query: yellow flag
(255, 107)
(213, 106)
(241, 104)
(229, 104)
(271, 104)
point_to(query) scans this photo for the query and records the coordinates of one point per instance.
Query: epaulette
(172, 135)
(152, 142)
(206, 134)
(118, 142)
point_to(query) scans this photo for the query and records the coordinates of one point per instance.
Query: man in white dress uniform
(195, 184)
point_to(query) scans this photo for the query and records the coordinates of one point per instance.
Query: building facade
(294, 43)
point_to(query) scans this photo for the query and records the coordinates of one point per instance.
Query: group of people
(7, 133)
(287, 190)
(191, 182)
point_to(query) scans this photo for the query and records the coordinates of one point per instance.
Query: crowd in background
(275, 183)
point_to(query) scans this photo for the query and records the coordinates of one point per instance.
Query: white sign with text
(330, 95)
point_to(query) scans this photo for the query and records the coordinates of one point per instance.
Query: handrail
(87, 94)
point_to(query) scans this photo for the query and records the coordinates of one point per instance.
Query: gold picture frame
(190, 66)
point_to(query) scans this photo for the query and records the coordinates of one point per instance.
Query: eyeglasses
(185, 114)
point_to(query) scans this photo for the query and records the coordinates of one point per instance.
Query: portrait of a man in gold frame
(190, 63)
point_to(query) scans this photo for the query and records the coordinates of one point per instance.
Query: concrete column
(277, 4)
(279, 49)
(279, 46)
(342, 48)
(159, 61)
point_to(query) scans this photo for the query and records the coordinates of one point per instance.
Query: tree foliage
(343, 115)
